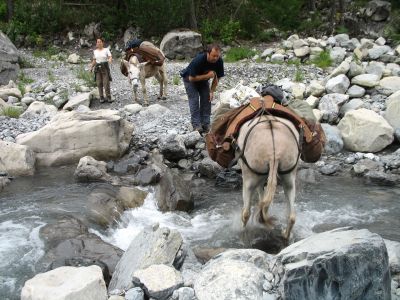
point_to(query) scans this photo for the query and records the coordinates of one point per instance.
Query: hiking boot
(102, 99)
(206, 128)
(198, 128)
(109, 100)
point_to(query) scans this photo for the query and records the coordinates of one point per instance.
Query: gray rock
(183, 293)
(134, 294)
(148, 175)
(103, 207)
(329, 169)
(173, 192)
(9, 67)
(149, 247)
(338, 84)
(355, 91)
(334, 142)
(355, 69)
(234, 274)
(158, 281)
(355, 103)
(350, 264)
(329, 106)
(378, 10)
(377, 51)
(181, 44)
(192, 138)
(172, 147)
(209, 168)
(337, 54)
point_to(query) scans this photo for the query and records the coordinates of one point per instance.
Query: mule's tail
(269, 193)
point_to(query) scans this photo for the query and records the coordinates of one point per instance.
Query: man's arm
(109, 56)
(206, 76)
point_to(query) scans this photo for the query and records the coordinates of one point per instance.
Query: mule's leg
(269, 192)
(249, 186)
(163, 74)
(289, 187)
(145, 97)
(160, 81)
(135, 98)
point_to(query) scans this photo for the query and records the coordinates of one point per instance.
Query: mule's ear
(143, 64)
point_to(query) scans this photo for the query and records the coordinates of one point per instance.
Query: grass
(11, 111)
(238, 53)
(51, 76)
(341, 29)
(176, 80)
(23, 80)
(299, 76)
(86, 76)
(46, 53)
(323, 60)
(25, 63)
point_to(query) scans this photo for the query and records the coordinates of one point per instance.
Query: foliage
(299, 76)
(176, 80)
(11, 111)
(341, 29)
(238, 53)
(47, 52)
(323, 60)
(229, 31)
(25, 63)
(86, 76)
(51, 76)
(392, 29)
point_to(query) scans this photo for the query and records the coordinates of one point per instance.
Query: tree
(10, 9)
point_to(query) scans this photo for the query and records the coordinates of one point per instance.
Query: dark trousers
(103, 80)
(200, 107)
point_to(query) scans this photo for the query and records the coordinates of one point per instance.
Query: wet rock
(66, 283)
(382, 178)
(364, 166)
(228, 178)
(127, 164)
(149, 247)
(17, 160)
(313, 268)
(173, 192)
(209, 168)
(85, 249)
(172, 147)
(158, 281)
(62, 229)
(148, 175)
(329, 169)
(89, 169)
(131, 197)
(103, 207)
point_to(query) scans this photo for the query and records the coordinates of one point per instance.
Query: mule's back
(263, 145)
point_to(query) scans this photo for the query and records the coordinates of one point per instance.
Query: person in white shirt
(100, 64)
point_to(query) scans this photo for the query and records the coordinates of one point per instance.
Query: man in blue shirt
(205, 66)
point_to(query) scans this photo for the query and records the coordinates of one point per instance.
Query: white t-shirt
(101, 55)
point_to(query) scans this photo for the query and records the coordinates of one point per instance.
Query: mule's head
(135, 71)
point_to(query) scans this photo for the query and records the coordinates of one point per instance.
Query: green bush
(176, 80)
(392, 29)
(25, 63)
(86, 76)
(341, 29)
(229, 31)
(11, 111)
(238, 53)
(299, 76)
(323, 60)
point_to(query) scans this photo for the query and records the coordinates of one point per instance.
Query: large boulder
(149, 247)
(365, 131)
(102, 134)
(392, 114)
(389, 85)
(338, 264)
(235, 274)
(16, 159)
(378, 10)
(181, 44)
(66, 283)
(9, 67)
(89, 169)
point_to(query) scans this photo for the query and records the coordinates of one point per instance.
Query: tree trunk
(341, 11)
(312, 5)
(333, 15)
(193, 20)
(10, 9)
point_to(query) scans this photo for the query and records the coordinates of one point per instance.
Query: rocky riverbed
(129, 138)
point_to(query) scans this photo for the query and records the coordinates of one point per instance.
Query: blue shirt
(200, 66)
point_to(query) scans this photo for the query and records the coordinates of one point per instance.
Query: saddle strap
(253, 108)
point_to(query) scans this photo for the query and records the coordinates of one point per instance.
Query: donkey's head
(135, 71)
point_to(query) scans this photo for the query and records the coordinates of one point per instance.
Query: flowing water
(29, 203)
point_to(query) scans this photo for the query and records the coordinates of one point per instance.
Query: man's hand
(211, 97)
(211, 74)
